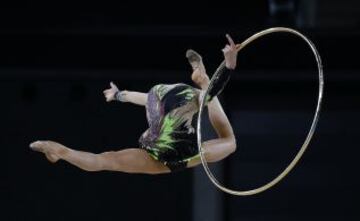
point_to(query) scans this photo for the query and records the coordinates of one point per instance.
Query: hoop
(308, 137)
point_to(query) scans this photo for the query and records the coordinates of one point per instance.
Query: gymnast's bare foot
(52, 150)
(199, 75)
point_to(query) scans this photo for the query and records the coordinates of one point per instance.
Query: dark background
(57, 57)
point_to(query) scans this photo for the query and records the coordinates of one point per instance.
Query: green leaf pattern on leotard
(161, 90)
(188, 93)
(165, 140)
(172, 121)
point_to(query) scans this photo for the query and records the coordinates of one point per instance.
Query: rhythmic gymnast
(170, 143)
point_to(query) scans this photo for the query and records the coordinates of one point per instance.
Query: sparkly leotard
(170, 108)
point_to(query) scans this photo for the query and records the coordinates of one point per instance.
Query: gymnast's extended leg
(132, 160)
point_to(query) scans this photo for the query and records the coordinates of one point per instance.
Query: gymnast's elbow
(233, 145)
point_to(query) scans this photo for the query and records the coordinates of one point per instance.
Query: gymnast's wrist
(230, 66)
(121, 96)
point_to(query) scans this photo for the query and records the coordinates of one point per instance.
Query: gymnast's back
(170, 109)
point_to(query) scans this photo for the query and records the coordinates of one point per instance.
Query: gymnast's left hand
(110, 93)
(230, 53)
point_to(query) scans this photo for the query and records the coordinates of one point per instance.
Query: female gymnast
(170, 143)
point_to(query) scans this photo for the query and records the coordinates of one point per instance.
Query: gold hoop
(309, 135)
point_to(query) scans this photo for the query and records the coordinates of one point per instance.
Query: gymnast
(170, 143)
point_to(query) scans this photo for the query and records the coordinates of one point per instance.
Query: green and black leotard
(170, 138)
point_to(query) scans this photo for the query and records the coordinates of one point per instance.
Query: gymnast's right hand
(111, 92)
(230, 53)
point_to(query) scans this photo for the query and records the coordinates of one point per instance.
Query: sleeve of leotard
(220, 83)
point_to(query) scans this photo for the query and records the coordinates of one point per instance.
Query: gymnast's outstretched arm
(114, 94)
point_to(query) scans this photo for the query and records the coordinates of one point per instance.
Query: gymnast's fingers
(108, 97)
(231, 42)
(226, 48)
(112, 85)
